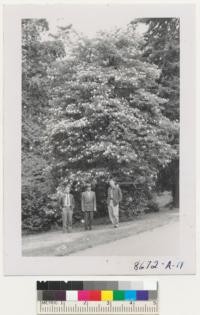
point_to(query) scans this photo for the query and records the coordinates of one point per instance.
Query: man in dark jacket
(88, 205)
(67, 203)
(113, 200)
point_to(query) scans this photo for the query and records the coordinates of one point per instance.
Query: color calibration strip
(96, 285)
(97, 295)
(76, 297)
(96, 291)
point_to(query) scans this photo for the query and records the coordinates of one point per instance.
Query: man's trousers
(67, 218)
(113, 212)
(88, 219)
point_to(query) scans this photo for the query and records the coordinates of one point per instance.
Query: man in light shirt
(67, 203)
(113, 200)
(88, 205)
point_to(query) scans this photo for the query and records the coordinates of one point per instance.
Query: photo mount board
(14, 262)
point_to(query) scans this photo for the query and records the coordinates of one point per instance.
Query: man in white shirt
(113, 200)
(67, 203)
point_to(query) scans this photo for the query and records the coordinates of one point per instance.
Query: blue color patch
(142, 295)
(130, 295)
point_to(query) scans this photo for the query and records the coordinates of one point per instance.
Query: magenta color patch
(83, 295)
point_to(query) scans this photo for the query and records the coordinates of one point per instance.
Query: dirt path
(57, 243)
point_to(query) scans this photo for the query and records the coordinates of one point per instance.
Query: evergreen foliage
(37, 56)
(162, 47)
(93, 109)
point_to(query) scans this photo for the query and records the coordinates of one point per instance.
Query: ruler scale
(138, 307)
(87, 298)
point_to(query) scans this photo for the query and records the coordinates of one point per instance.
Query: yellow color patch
(106, 295)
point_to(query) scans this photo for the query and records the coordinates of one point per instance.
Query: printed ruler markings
(64, 308)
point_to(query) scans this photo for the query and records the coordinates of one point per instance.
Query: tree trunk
(175, 189)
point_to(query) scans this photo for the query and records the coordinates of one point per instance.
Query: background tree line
(98, 108)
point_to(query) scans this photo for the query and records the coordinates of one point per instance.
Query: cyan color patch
(130, 295)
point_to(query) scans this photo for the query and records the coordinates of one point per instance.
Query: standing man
(113, 200)
(88, 204)
(67, 204)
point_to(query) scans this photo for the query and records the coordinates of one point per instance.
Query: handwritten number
(149, 263)
(136, 265)
(141, 265)
(154, 265)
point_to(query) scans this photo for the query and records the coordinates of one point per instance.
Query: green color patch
(118, 295)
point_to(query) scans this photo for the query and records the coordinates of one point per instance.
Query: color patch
(60, 295)
(76, 285)
(150, 285)
(136, 285)
(95, 295)
(130, 295)
(124, 285)
(142, 295)
(153, 295)
(53, 285)
(83, 295)
(53, 295)
(48, 295)
(106, 295)
(39, 295)
(118, 295)
(42, 285)
(72, 295)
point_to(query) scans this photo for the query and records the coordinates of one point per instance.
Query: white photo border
(14, 262)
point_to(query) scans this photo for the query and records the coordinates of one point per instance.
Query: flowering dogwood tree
(106, 118)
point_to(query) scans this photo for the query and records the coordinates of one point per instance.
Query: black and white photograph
(100, 137)
(100, 133)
